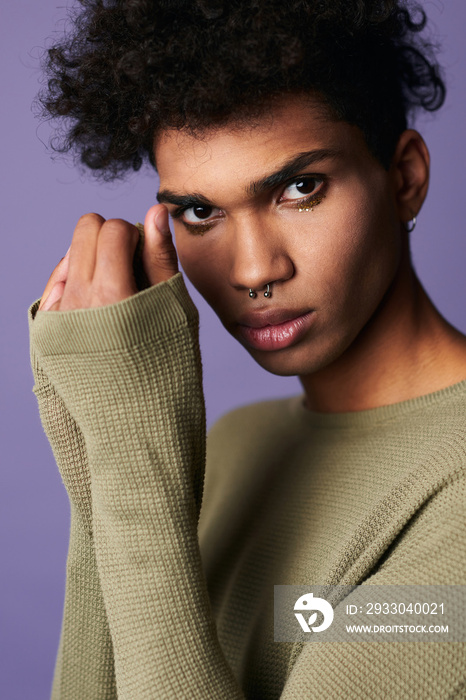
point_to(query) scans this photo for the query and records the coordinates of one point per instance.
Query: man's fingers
(98, 268)
(114, 274)
(59, 274)
(51, 303)
(84, 249)
(159, 254)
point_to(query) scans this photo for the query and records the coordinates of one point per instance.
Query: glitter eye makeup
(310, 204)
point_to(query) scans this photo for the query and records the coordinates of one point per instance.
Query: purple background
(41, 201)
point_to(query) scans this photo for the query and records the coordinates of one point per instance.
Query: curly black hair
(129, 68)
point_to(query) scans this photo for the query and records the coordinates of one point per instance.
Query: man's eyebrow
(182, 200)
(291, 168)
(285, 172)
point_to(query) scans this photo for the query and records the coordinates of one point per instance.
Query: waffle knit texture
(160, 604)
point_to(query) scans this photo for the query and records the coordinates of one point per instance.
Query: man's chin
(285, 363)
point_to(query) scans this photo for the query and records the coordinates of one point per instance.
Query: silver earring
(410, 225)
(267, 292)
(252, 294)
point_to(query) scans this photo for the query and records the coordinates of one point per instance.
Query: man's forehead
(285, 121)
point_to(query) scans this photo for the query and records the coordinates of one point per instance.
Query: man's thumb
(159, 254)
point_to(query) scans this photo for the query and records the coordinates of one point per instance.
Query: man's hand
(98, 268)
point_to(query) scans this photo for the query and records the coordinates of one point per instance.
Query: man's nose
(259, 256)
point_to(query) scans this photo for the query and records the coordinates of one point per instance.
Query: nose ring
(267, 292)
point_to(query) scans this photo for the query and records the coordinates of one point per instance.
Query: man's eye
(300, 188)
(196, 215)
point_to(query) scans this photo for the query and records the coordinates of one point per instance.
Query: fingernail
(67, 252)
(161, 221)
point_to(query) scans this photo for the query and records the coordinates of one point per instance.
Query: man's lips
(270, 317)
(274, 329)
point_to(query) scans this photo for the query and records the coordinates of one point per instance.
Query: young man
(292, 195)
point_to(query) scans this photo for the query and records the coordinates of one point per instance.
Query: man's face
(298, 202)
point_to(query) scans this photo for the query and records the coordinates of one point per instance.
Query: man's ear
(410, 170)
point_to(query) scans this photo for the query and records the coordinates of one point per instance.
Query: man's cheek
(203, 275)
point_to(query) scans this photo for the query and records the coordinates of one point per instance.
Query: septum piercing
(267, 292)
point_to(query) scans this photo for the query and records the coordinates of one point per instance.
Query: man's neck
(406, 350)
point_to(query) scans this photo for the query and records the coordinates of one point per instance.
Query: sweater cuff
(141, 318)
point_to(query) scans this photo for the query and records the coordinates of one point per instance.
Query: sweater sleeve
(84, 666)
(130, 376)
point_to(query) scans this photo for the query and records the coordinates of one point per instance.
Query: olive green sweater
(291, 497)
